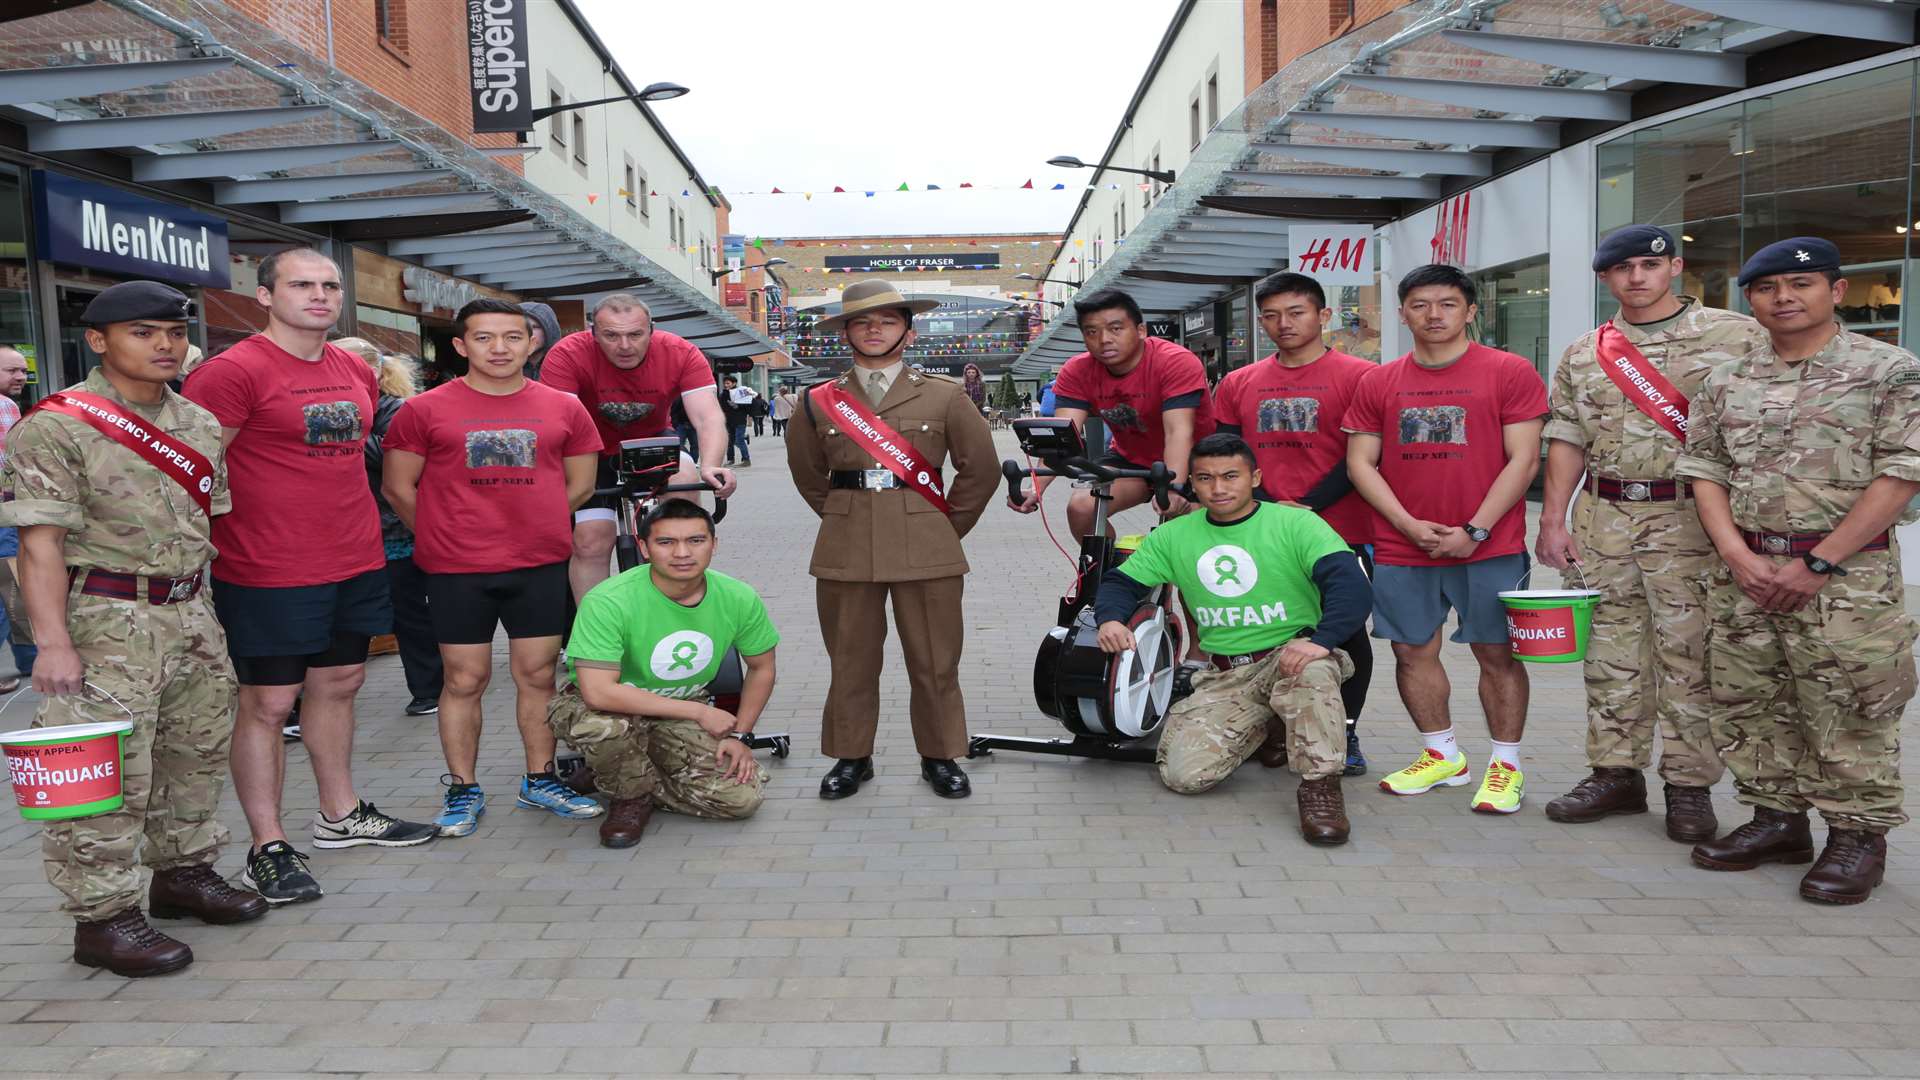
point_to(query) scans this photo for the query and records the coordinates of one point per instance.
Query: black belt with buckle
(1640, 490)
(1761, 543)
(1228, 663)
(865, 479)
(118, 586)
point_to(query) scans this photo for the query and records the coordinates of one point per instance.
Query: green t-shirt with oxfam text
(662, 646)
(1250, 584)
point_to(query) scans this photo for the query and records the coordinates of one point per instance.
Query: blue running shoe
(547, 793)
(465, 804)
(1356, 761)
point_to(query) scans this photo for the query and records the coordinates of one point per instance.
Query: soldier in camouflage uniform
(1274, 592)
(1635, 535)
(113, 553)
(645, 649)
(1804, 455)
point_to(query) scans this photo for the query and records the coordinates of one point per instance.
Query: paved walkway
(1071, 917)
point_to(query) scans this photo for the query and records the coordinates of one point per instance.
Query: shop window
(556, 122)
(1193, 123)
(580, 141)
(1213, 101)
(1236, 346)
(1513, 310)
(16, 297)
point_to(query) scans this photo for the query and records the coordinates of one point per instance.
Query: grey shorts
(1410, 603)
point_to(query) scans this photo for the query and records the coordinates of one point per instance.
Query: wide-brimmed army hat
(865, 296)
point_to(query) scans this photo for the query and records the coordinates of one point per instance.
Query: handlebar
(652, 494)
(1158, 477)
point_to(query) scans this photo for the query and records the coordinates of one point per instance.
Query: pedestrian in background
(13, 616)
(412, 625)
(782, 408)
(733, 404)
(546, 331)
(975, 384)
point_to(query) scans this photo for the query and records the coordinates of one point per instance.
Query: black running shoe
(279, 874)
(1356, 761)
(423, 706)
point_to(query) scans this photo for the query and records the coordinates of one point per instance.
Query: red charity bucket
(67, 771)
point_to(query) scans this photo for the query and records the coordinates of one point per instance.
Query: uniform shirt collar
(96, 383)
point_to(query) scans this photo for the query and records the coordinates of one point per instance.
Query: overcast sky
(867, 94)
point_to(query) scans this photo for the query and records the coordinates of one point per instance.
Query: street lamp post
(725, 270)
(660, 91)
(1067, 161)
(1056, 281)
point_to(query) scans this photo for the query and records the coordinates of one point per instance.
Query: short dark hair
(675, 510)
(269, 271)
(1288, 283)
(1106, 300)
(1223, 444)
(1439, 274)
(487, 305)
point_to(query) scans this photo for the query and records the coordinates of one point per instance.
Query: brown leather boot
(1605, 792)
(1853, 862)
(1273, 751)
(626, 820)
(1772, 836)
(1323, 812)
(1690, 816)
(201, 892)
(127, 946)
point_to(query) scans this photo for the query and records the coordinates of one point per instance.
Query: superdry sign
(88, 224)
(497, 60)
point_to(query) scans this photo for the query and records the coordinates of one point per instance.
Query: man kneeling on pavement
(646, 645)
(1275, 592)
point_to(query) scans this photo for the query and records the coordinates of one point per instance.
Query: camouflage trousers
(168, 665)
(1646, 665)
(1211, 732)
(670, 761)
(1807, 705)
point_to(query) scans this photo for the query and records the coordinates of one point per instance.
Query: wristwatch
(1475, 533)
(1821, 566)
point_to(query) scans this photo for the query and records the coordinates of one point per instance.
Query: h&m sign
(497, 61)
(88, 224)
(1332, 254)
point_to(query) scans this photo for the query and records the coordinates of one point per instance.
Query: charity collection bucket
(71, 771)
(1549, 626)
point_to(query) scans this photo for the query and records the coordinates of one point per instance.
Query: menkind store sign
(87, 224)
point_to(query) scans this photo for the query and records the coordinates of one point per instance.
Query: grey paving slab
(1072, 916)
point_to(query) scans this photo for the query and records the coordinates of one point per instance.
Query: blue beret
(1632, 242)
(1792, 255)
(132, 301)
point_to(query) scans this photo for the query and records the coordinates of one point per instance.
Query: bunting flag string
(904, 187)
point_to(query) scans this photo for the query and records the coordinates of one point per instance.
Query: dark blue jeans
(737, 441)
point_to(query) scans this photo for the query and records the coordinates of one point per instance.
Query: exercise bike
(1112, 704)
(643, 472)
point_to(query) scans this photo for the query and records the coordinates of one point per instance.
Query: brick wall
(807, 256)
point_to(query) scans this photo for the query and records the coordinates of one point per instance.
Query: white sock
(1508, 752)
(1442, 743)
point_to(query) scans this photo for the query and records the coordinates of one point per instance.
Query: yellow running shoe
(1500, 789)
(1428, 771)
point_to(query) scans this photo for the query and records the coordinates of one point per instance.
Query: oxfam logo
(1226, 570)
(682, 655)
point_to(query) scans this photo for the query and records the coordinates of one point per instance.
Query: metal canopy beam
(1835, 18)
(28, 85)
(516, 259)
(547, 279)
(1503, 97)
(1637, 62)
(211, 163)
(470, 257)
(1226, 252)
(1221, 244)
(1415, 162)
(1450, 130)
(112, 132)
(1249, 226)
(568, 269)
(474, 241)
(385, 207)
(1392, 187)
(1210, 267)
(304, 188)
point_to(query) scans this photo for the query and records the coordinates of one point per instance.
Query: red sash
(181, 463)
(887, 446)
(1643, 383)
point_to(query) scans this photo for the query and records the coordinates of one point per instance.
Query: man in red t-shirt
(628, 374)
(484, 469)
(1443, 443)
(1288, 407)
(301, 579)
(1151, 394)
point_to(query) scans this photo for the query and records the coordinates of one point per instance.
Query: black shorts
(530, 602)
(1112, 460)
(275, 634)
(605, 475)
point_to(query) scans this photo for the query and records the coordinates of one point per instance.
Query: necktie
(877, 386)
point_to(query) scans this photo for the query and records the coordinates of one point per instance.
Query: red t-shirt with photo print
(1131, 405)
(1441, 443)
(632, 403)
(1291, 417)
(493, 494)
(302, 511)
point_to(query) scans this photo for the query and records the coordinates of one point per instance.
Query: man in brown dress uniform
(866, 451)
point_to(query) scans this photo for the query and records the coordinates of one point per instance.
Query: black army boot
(1606, 792)
(1772, 836)
(128, 946)
(1852, 864)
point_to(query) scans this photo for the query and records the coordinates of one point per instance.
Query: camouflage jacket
(1621, 440)
(1796, 444)
(120, 513)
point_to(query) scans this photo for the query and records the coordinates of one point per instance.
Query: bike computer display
(647, 464)
(1049, 438)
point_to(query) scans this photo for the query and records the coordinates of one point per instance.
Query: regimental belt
(1764, 543)
(1615, 490)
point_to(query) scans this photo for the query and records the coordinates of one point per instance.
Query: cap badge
(1803, 256)
(1657, 246)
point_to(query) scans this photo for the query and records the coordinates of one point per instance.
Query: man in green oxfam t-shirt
(645, 646)
(1274, 591)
